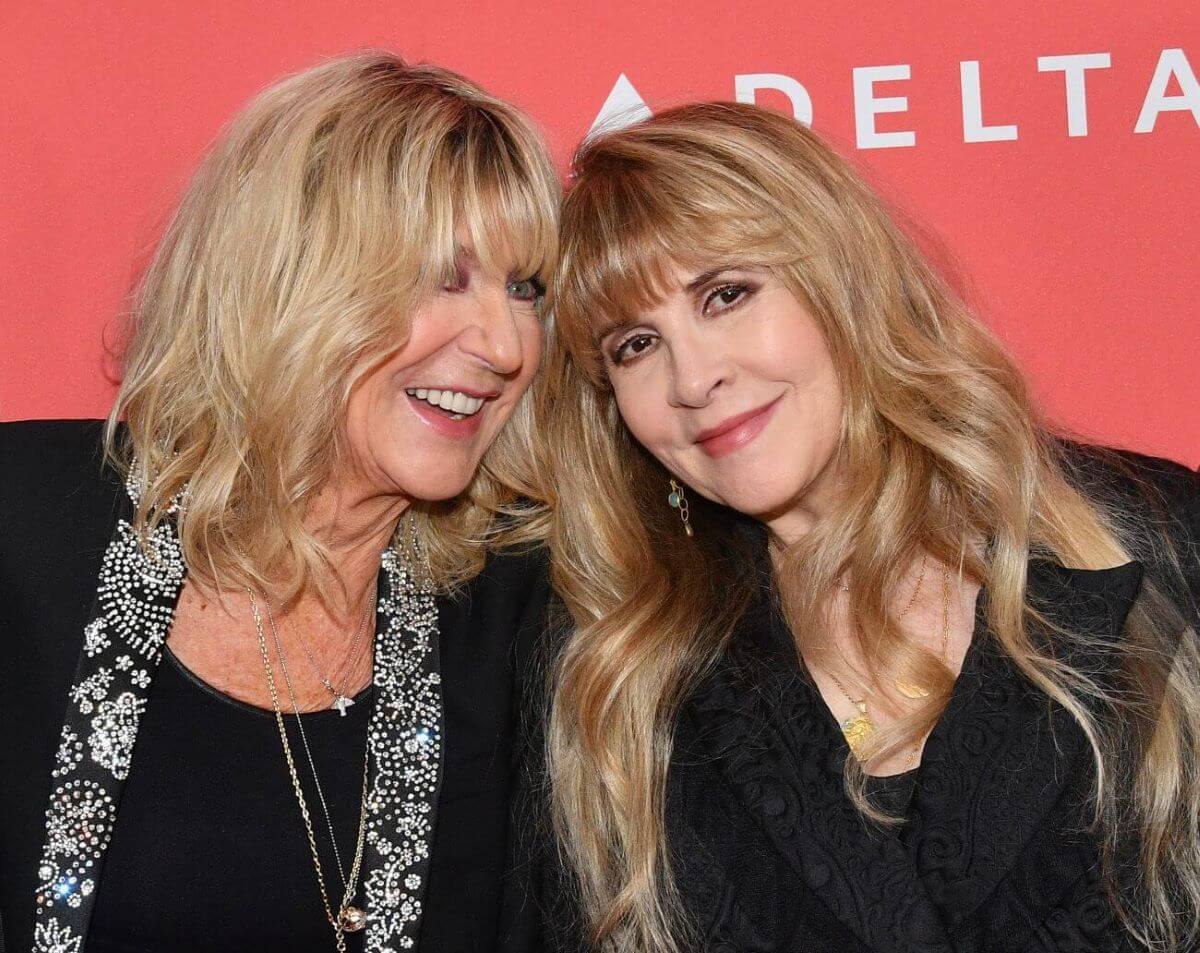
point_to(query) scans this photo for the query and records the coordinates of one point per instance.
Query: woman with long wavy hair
(864, 658)
(257, 630)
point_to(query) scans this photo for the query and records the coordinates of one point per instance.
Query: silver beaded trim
(138, 585)
(405, 737)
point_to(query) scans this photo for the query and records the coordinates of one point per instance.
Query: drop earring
(678, 500)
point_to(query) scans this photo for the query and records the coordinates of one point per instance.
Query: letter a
(1171, 63)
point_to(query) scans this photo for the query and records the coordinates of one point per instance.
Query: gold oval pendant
(858, 732)
(911, 689)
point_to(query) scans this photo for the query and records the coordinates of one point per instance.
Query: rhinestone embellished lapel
(136, 594)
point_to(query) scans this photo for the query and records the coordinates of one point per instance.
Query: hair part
(944, 451)
(329, 208)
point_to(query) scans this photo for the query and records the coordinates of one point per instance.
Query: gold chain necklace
(350, 918)
(859, 730)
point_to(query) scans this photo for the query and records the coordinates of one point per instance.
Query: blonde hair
(941, 446)
(325, 212)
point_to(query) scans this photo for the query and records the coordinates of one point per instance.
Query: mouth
(456, 404)
(737, 431)
(450, 412)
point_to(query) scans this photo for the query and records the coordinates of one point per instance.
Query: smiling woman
(865, 658)
(272, 591)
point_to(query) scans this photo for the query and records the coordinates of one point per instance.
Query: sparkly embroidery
(70, 751)
(405, 739)
(53, 937)
(114, 730)
(94, 639)
(136, 595)
(138, 586)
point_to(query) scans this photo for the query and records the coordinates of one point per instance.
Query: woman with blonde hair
(276, 738)
(864, 658)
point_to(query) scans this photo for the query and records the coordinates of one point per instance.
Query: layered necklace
(349, 918)
(340, 700)
(860, 729)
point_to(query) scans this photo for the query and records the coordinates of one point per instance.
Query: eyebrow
(706, 276)
(619, 327)
(698, 282)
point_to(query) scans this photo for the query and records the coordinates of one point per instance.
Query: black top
(253, 886)
(995, 855)
(208, 854)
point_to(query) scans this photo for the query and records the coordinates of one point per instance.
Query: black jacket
(64, 571)
(769, 854)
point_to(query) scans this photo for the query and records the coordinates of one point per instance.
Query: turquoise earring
(678, 500)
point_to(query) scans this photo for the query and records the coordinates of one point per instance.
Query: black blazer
(771, 857)
(59, 513)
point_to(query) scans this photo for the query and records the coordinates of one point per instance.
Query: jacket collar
(994, 763)
(136, 594)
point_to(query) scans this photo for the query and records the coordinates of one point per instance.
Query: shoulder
(38, 452)
(1154, 503)
(1153, 498)
(54, 482)
(509, 594)
(1137, 479)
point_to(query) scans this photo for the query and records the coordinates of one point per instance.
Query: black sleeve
(1157, 504)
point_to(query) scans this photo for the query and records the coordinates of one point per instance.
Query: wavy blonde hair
(942, 449)
(325, 212)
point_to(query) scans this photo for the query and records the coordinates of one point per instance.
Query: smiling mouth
(737, 431)
(455, 404)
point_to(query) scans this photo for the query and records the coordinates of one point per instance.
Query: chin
(435, 487)
(759, 499)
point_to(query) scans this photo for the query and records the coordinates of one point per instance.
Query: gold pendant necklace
(859, 730)
(349, 918)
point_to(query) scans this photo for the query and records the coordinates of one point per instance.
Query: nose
(698, 367)
(492, 334)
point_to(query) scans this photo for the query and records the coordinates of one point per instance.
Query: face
(729, 383)
(419, 423)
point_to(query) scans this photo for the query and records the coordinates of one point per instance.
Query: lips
(451, 412)
(737, 431)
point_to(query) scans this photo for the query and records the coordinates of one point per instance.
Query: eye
(632, 347)
(526, 289)
(725, 297)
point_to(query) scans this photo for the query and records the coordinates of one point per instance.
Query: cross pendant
(341, 703)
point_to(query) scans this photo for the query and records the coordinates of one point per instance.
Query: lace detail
(995, 855)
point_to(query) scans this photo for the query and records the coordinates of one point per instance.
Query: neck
(816, 501)
(355, 524)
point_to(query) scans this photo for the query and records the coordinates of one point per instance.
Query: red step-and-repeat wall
(1049, 151)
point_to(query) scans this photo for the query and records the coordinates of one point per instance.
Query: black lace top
(995, 855)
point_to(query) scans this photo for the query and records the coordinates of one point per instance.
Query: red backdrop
(1071, 224)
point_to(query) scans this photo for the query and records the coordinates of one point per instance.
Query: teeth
(460, 405)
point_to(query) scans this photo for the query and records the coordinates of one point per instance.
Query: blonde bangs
(326, 212)
(485, 180)
(632, 219)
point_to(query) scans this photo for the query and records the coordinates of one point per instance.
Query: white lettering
(1171, 63)
(972, 109)
(1074, 69)
(867, 107)
(746, 85)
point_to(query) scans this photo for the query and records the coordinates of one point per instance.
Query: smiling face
(729, 383)
(418, 423)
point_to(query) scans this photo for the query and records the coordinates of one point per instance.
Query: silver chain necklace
(341, 701)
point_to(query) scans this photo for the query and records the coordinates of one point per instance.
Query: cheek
(646, 416)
